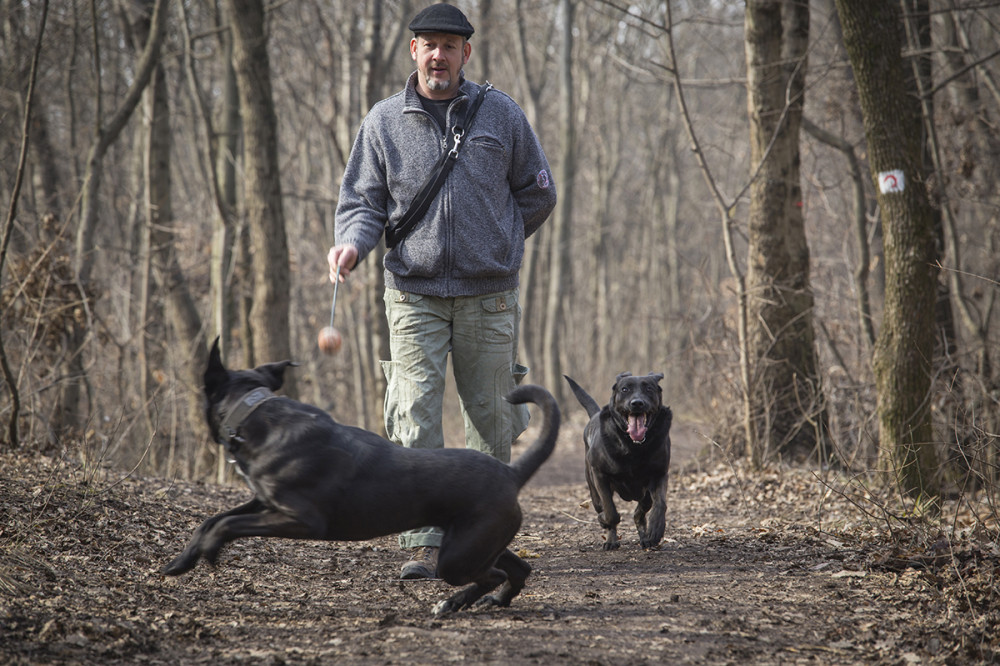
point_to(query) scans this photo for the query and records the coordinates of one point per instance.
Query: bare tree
(382, 42)
(905, 347)
(69, 413)
(262, 186)
(11, 437)
(533, 82)
(564, 177)
(646, 246)
(221, 132)
(788, 409)
(159, 246)
(974, 120)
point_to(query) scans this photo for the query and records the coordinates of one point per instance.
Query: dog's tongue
(637, 427)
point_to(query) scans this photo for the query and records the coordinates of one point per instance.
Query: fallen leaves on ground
(784, 566)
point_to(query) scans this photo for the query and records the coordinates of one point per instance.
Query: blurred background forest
(183, 164)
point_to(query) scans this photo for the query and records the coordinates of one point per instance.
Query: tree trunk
(918, 41)
(559, 257)
(11, 438)
(269, 311)
(219, 159)
(976, 175)
(484, 56)
(533, 295)
(224, 172)
(788, 410)
(905, 347)
(371, 330)
(180, 309)
(666, 207)
(69, 414)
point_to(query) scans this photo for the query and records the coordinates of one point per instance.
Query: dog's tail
(529, 461)
(588, 403)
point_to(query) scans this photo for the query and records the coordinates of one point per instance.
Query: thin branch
(726, 215)
(860, 221)
(106, 135)
(955, 75)
(8, 224)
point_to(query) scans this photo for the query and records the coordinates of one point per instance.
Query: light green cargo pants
(481, 333)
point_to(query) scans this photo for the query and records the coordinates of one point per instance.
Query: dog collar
(244, 408)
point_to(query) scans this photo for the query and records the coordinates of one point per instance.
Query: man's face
(439, 57)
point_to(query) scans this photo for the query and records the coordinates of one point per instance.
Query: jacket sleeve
(362, 208)
(531, 179)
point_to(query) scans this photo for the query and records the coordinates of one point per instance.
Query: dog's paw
(492, 601)
(652, 541)
(443, 607)
(181, 564)
(612, 545)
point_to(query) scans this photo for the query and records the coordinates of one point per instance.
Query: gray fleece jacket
(471, 241)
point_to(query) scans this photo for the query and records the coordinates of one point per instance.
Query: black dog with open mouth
(628, 451)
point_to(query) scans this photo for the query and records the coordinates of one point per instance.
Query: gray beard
(438, 84)
(442, 85)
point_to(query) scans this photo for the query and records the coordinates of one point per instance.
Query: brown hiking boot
(423, 565)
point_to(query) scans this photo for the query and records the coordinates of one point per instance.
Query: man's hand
(345, 256)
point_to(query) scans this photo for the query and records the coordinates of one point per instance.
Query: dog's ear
(274, 373)
(621, 376)
(656, 376)
(215, 373)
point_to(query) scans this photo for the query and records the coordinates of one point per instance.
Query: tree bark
(269, 311)
(179, 306)
(788, 408)
(918, 41)
(905, 347)
(533, 294)
(559, 257)
(11, 436)
(224, 172)
(976, 174)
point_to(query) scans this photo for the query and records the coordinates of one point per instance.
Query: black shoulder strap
(421, 202)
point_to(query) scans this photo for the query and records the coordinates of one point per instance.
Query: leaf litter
(780, 566)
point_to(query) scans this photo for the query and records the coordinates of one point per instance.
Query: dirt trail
(773, 571)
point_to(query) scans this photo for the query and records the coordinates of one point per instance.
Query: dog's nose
(636, 403)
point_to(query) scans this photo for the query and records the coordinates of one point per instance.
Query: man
(451, 282)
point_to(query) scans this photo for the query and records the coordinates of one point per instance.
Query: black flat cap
(442, 17)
